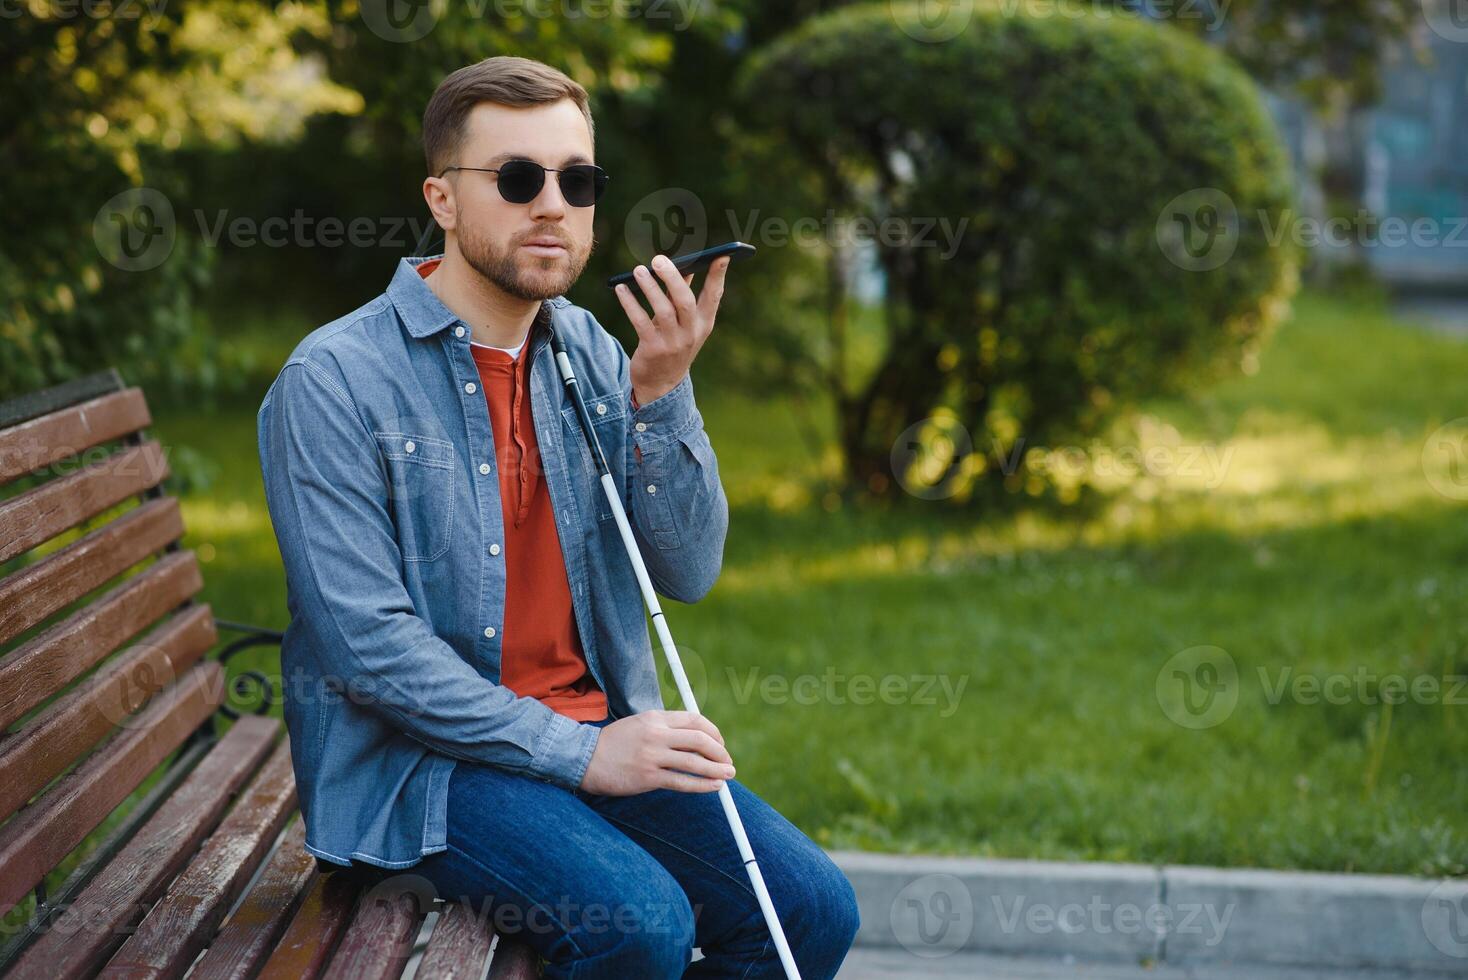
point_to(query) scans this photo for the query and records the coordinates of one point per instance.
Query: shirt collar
(424, 314)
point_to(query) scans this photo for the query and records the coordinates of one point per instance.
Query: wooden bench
(147, 827)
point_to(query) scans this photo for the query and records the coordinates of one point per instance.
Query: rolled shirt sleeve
(678, 509)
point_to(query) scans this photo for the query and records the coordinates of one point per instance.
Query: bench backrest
(103, 679)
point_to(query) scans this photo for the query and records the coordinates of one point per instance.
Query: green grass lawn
(1320, 547)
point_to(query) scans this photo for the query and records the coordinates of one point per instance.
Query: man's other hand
(676, 750)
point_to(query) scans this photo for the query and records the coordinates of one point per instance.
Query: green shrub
(1085, 160)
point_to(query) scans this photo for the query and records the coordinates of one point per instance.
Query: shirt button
(470, 387)
(409, 446)
(601, 408)
(652, 488)
(458, 331)
(641, 426)
(489, 632)
(494, 549)
(484, 469)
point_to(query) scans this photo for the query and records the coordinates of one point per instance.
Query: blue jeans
(626, 886)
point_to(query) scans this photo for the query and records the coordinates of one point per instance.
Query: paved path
(876, 963)
(1446, 314)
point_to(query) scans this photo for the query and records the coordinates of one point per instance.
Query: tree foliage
(97, 101)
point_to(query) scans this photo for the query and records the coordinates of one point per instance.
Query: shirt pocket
(420, 490)
(609, 422)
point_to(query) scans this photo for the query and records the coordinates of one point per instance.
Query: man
(471, 690)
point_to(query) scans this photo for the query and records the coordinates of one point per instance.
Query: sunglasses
(520, 181)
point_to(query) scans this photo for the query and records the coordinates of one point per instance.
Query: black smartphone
(694, 261)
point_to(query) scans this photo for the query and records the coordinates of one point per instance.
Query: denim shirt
(380, 476)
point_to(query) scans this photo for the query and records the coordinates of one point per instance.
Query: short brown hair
(504, 80)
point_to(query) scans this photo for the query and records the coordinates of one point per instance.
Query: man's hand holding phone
(669, 339)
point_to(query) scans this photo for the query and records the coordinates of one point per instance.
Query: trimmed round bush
(1114, 186)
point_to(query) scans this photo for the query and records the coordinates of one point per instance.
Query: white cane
(660, 623)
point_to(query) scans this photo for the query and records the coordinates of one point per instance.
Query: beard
(518, 273)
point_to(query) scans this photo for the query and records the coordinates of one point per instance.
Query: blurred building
(1413, 151)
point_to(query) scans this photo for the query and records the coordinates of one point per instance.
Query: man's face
(495, 236)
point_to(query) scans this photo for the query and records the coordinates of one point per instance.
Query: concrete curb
(1168, 915)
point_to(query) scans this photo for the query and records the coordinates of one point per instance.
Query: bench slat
(41, 513)
(42, 441)
(316, 930)
(24, 407)
(115, 900)
(32, 757)
(460, 944)
(380, 939)
(40, 835)
(33, 593)
(172, 934)
(248, 937)
(49, 661)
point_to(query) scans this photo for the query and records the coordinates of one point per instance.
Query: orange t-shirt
(540, 649)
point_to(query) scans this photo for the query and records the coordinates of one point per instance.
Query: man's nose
(549, 202)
